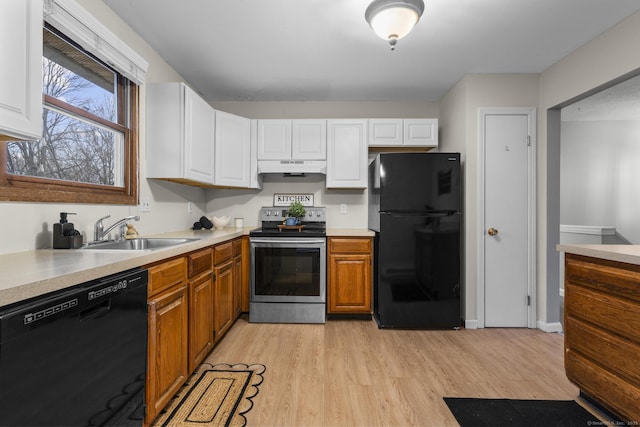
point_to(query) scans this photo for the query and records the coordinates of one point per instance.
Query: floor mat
(508, 412)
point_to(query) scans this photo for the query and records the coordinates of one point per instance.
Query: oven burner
(313, 225)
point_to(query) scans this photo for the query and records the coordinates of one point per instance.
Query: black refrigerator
(415, 209)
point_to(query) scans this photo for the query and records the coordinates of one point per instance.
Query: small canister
(239, 222)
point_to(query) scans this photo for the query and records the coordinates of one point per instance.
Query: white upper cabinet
(309, 139)
(296, 139)
(403, 132)
(233, 151)
(347, 153)
(180, 134)
(385, 132)
(21, 75)
(274, 139)
(421, 132)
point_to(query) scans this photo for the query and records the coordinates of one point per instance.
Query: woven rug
(509, 412)
(215, 395)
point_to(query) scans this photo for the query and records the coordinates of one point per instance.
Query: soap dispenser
(65, 236)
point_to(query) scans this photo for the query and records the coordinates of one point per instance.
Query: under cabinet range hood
(292, 167)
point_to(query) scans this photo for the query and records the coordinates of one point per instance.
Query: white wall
(608, 57)
(459, 112)
(33, 222)
(599, 175)
(320, 110)
(246, 203)
(28, 226)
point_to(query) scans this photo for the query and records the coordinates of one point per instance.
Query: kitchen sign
(287, 199)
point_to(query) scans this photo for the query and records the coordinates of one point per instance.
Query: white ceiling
(323, 50)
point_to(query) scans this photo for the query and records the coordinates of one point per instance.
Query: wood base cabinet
(602, 332)
(167, 360)
(349, 275)
(223, 289)
(200, 307)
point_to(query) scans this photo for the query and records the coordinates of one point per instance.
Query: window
(88, 150)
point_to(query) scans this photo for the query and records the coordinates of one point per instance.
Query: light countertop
(33, 273)
(621, 253)
(349, 232)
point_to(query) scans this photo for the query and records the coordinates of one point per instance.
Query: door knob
(492, 231)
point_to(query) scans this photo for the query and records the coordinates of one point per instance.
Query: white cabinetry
(180, 134)
(296, 139)
(309, 139)
(21, 75)
(346, 153)
(233, 150)
(274, 139)
(403, 132)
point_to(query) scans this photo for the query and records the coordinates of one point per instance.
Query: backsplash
(247, 203)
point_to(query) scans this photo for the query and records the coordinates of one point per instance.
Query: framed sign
(284, 199)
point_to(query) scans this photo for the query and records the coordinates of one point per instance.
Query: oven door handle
(303, 241)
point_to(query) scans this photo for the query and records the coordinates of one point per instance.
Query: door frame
(531, 171)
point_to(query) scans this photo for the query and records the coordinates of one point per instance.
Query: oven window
(287, 271)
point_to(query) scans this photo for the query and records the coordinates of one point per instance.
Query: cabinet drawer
(237, 247)
(222, 252)
(616, 315)
(349, 245)
(167, 274)
(593, 343)
(610, 277)
(199, 262)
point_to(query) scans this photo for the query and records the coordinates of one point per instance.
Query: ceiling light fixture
(393, 19)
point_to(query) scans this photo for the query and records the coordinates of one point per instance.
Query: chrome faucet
(99, 232)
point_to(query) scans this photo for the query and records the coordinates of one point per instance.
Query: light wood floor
(350, 373)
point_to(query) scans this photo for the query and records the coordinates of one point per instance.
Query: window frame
(38, 189)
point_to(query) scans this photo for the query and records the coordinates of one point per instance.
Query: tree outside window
(88, 139)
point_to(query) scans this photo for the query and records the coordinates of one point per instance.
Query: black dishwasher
(76, 357)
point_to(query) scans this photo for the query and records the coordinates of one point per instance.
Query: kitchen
(610, 56)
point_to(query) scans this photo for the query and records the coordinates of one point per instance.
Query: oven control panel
(314, 214)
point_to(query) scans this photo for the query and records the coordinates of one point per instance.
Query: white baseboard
(550, 327)
(471, 324)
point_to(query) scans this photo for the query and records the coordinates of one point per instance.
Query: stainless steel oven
(288, 271)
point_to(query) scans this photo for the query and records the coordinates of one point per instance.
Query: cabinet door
(346, 153)
(168, 348)
(237, 278)
(421, 132)
(309, 139)
(199, 128)
(233, 150)
(246, 273)
(223, 298)
(21, 82)
(349, 283)
(274, 139)
(200, 318)
(349, 275)
(385, 132)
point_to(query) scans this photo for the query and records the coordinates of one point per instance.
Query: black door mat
(509, 412)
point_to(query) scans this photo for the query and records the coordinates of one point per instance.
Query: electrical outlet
(189, 207)
(344, 209)
(145, 206)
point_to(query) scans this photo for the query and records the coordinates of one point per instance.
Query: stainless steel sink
(140, 244)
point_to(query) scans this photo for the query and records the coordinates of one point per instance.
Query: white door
(274, 139)
(346, 153)
(199, 140)
(309, 139)
(507, 143)
(232, 150)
